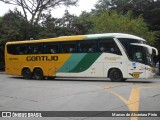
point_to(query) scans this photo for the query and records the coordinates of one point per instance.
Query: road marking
(147, 86)
(133, 101)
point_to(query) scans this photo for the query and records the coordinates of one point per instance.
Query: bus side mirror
(156, 51)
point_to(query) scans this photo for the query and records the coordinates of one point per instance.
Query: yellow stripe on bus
(32, 61)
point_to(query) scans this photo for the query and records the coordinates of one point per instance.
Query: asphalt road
(18, 94)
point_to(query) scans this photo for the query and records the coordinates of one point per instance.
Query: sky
(83, 5)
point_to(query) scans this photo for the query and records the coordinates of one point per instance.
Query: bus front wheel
(116, 75)
(26, 73)
(38, 74)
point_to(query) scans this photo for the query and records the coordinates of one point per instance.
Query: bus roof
(116, 35)
(81, 37)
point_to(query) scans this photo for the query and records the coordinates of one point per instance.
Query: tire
(38, 74)
(124, 79)
(116, 75)
(26, 73)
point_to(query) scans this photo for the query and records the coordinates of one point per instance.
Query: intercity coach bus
(114, 55)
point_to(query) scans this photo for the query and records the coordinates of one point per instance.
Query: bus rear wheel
(38, 74)
(26, 73)
(116, 75)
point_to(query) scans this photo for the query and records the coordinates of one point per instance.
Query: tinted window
(51, 48)
(21, 49)
(68, 47)
(109, 46)
(137, 54)
(87, 46)
(13, 49)
(35, 48)
(126, 44)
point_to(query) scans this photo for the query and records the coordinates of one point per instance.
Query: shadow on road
(87, 80)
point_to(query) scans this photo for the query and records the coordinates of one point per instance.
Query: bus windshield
(148, 57)
(126, 42)
(141, 54)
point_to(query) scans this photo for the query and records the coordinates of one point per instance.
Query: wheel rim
(38, 74)
(116, 75)
(26, 73)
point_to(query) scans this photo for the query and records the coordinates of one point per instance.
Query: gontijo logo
(42, 58)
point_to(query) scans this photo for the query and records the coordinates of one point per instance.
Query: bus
(116, 56)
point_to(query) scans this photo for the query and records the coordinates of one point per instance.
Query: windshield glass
(148, 57)
(137, 54)
(141, 54)
(126, 42)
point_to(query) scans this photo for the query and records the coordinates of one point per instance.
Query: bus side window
(54, 48)
(102, 49)
(13, 49)
(87, 46)
(35, 49)
(109, 46)
(69, 47)
(23, 49)
(51, 48)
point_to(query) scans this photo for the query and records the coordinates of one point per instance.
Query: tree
(123, 6)
(83, 23)
(118, 5)
(36, 7)
(14, 27)
(57, 26)
(67, 25)
(111, 21)
(148, 9)
(49, 26)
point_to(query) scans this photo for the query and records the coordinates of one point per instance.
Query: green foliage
(67, 25)
(1, 18)
(148, 9)
(83, 24)
(111, 21)
(13, 27)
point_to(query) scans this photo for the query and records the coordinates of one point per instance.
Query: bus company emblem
(112, 58)
(42, 58)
